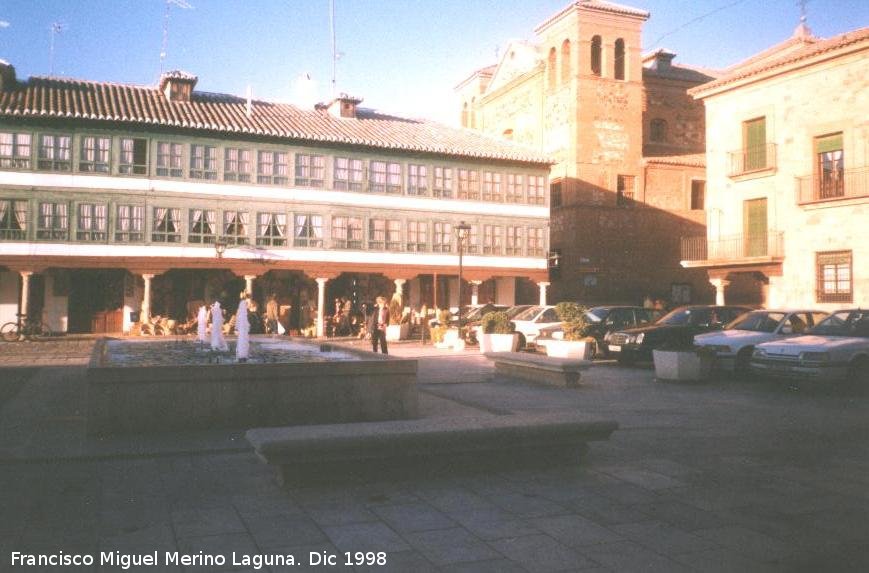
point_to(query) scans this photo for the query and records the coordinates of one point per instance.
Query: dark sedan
(681, 324)
(605, 319)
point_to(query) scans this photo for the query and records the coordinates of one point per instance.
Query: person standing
(242, 327)
(272, 314)
(377, 325)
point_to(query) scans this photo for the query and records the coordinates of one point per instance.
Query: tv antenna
(165, 46)
(336, 55)
(55, 29)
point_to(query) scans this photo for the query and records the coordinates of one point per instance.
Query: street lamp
(220, 247)
(462, 232)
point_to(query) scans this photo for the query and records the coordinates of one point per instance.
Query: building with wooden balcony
(788, 175)
(122, 202)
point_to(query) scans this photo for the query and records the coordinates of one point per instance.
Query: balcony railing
(847, 184)
(734, 247)
(751, 159)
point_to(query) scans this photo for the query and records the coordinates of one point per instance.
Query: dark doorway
(96, 300)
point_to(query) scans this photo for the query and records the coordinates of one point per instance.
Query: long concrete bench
(305, 454)
(539, 368)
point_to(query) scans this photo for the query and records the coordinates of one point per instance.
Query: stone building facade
(788, 175)
(628, 144)
(121, 202)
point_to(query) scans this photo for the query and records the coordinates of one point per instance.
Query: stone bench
(405, 448)
(538, 368)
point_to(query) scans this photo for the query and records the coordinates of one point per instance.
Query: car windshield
(511, 313)
(678, 317)
(529, 313)
(760, 321)
(596, 314)
(844, 323)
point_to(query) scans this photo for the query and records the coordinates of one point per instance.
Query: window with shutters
(203, 226)
(830, 166)
(55, 153)
(94, 154)
(15, 149)
(169, 163)
(166, 225)
(53, 221)
(13, 219)
(203, 162)
(443, 182)
(129, 223)
(754, 134)
(417, 236)
(92, 222)
(236, 165)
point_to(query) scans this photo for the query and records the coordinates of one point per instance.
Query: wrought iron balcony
(846, 184)
(752, 159)
(733, 247)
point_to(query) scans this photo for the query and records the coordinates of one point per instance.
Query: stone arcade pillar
(25, 291)
(542, 286)
(248, 284)
(475, 292)
(145, 317)
(399, 288)
(321, 306)
(719, 285)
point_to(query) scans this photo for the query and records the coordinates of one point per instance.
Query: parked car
(634, 344)
(836, 349)
(735, 344)
(529, 322)
(471, 317)
(602, 320)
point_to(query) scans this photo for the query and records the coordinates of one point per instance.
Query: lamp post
(220, 247)
(462, 231)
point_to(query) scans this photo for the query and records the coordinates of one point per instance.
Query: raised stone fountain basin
(137, 386)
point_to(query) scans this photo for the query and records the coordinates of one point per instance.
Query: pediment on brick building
(519, 58)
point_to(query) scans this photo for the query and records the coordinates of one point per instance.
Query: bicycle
(24, 329)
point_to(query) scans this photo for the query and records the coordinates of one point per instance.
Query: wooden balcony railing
(846, 184)
(734, 247)
(751, 159)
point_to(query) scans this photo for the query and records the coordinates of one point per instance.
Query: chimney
(177, 85)
(7, 76)
(661, 59)
(343, 106)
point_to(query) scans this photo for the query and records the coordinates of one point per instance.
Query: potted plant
(397, 329)
(496, 333)
(576, 341)
(680, 360)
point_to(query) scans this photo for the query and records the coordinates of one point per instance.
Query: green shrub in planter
(496, 323)
(575, 325)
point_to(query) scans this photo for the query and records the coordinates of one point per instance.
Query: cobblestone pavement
(724, 476)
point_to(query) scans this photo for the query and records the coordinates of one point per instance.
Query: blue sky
(401, 56)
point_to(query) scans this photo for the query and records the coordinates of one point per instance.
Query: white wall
(9, 288)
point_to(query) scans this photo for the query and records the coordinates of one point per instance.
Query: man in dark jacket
(376, 325)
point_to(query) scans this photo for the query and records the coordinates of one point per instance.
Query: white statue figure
(242, 327)
(217, 340)
(202, 325)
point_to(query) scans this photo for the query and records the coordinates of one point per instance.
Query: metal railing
(751, 159)
(733, 247)
(846, 184)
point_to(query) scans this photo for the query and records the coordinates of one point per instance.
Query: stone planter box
(397, 332)
(681, 366)
(569, 349)
(498, 342)
(137, 399)
(451, 340)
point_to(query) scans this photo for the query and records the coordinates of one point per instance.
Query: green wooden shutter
(829, 143)
(755, 228)
(755, 144)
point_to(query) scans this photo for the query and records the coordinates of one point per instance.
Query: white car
(735, 344)
(836, 349)
(529, 322)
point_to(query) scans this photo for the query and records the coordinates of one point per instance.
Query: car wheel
(742, 366)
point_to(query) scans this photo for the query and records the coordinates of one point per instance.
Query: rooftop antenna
(334, 47)
(55, 29)
(164, 48)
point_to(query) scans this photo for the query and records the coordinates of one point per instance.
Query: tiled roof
(691, 160)
(69, 99)
(598, 5)
(767, 61)
(681, 73)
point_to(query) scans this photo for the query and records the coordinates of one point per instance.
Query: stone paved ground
(726, 476)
